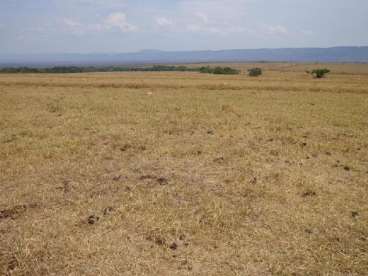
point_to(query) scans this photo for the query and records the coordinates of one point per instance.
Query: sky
(112, 26)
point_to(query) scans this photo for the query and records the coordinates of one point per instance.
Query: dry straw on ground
(185, 173)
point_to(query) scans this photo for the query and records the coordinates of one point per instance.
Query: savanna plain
(184, 173)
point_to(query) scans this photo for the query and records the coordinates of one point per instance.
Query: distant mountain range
(335, 54)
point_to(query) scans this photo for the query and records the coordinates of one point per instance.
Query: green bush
(255, 72)
(219, 70)
(319, 73)
(206, 70)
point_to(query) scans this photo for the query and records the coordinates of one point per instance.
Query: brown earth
(185, 173)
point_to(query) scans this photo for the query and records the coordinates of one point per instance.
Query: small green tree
(255, 72)
(206, 70)
(225, 71)
(319, 73)
(219, 70)
(230, 71)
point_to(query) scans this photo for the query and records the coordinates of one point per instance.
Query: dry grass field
(185, 173)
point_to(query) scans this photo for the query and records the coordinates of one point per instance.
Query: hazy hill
(336, 54)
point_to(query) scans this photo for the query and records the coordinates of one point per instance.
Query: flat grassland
(185, 173)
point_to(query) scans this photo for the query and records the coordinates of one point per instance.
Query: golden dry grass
(185, 173)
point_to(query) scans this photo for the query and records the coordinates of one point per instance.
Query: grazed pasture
(185, 173)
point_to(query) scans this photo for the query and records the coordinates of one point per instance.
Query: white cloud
(214, 16)
(215, 29)
(74, 26)
(215, 10)
(197, 28)
(71, 23)
(276, 30)
(163, 21)
(202, 23)
(203, 17)
(119, 20)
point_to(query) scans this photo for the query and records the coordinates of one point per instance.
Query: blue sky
(90, 26)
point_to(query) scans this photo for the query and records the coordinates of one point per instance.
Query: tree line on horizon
(91, 69)
(218, 70)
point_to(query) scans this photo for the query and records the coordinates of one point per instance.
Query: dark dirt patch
(186, 265)
(147, 176)
(354, 214)
(66, 186)
(125, 147)
(142, 148)
(13, 213)
(162, 181)
(219, 160)
(308, 231)
(93, 219)
(117, 177)
(108, 210)
(12, 264)
(309, 194)
(156, 239)
(10, 139)
(253, 180)
(173, 246)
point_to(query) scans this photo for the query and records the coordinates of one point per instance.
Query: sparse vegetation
(184, 174)
(255, 72)
(91, 69)
(225, 71)
(218, 70)
(319, 73)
